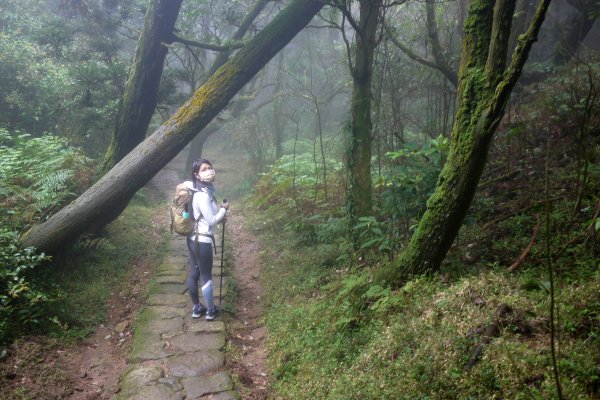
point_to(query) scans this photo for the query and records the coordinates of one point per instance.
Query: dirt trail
(245, 329)
(247, 332)
(92, 368)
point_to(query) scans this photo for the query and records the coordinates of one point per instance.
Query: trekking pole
(222, 253)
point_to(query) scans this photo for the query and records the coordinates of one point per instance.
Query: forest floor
(45, 368)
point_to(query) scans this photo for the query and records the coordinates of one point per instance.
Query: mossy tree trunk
(359, 202)
(139, 166)
(483, 91)
(141, 92)
(197, 144)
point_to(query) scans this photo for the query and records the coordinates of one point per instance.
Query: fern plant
(36, 176)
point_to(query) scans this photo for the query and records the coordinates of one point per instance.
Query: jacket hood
(190, 186)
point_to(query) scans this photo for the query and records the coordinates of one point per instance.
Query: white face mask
(207, 176)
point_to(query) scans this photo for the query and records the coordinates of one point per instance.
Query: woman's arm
(203, 203)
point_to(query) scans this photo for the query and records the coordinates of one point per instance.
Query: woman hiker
(200, 242)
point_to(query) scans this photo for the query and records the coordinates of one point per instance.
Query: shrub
(38, 175)
(22, 299)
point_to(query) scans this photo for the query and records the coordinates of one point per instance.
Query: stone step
(171, 288)
(197, 387)
(192, 341)
(195, 364)
(175, 356)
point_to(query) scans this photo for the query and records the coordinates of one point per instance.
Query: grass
(95, 269)
(86, 278)
(327, 342)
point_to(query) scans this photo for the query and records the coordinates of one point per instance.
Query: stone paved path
(174, 356)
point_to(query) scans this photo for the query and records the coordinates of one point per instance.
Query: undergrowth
(98, 267)
(415, 342)
(333, 334)
(65, 295)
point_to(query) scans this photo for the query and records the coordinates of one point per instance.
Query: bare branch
(411, 54)
(434, 40)
(346, 13)
(348, 47)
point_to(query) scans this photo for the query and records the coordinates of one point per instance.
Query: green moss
(204, 98)
(478, 28)
(412, 343)
(142, 336)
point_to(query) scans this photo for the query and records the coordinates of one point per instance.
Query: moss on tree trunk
(197, 145)
(141, 92)
(483, 91)
(359, 201)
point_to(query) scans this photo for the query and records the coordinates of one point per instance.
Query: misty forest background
(424, 177)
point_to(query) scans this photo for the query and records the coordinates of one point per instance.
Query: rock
(196, 364)
(139, 375)
(190, 342)
(196, 387)
(121, 326)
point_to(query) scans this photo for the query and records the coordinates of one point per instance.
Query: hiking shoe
(210, 315)
(198, 310)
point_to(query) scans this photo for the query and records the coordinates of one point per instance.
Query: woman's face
(206, 173)
(204, 167)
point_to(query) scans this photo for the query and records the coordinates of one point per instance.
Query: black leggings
(200, 269)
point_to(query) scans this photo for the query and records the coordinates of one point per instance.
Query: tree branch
(512, 73)
(521, 259)
(347, 44)
(348, 16)
(411, 54)
(500, 37)
(434, 40)
(207, 46)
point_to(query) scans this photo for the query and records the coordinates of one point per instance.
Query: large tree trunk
(359, 154)
(277, 107)
(575, 29)
(143, 162)
(141, 93)
(483, 91)
(195, 151)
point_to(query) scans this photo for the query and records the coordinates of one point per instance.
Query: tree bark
(576, 29)
(359, 201)
(195, 151)
(481, 103)
(277, 108)
(436, 48)
(141, 92)
(143, 162)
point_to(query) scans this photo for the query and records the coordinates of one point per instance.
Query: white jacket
(205, 206)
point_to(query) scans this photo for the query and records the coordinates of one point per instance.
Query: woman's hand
(224, 205)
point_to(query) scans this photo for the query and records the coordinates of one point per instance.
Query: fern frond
(54, 181)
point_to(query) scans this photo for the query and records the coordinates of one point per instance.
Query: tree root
(490, 332)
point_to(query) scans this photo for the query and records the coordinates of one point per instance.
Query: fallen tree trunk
(94, 207)
(195, 151)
